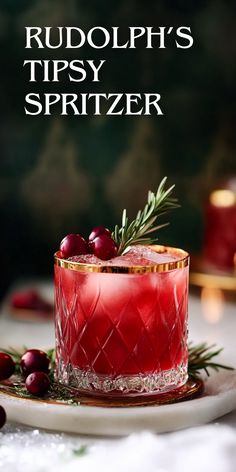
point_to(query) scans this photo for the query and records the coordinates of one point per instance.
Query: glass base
(128, 385)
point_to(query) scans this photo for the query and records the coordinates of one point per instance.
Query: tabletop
(211, 319)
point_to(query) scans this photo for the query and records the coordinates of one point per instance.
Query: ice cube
(87, 259)
(120, 261)
(147, 256)
(137, 255)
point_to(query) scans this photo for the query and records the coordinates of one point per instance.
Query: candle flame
(212, 304)
(223, 198)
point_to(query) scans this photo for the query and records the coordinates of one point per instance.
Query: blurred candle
(220, 229)
(212, 304)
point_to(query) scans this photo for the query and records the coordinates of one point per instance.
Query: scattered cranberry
(37, 383)
(73, 245)
(3, 416)
(34, 360)
(98, 231)
(30, 300)
(7, 366)
(104, 247)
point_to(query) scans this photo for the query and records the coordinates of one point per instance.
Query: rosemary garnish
(136, 231)
(63, 393)
(200, 358)
(80, 451)
(57, 392)
(20, 390)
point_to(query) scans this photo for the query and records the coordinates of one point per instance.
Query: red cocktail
(121, 325)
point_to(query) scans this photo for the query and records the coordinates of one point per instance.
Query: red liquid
(121, 324)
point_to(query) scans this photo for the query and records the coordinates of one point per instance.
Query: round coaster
(191, 389)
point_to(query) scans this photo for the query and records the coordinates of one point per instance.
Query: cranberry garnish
(34, 360)
(37, 383)
(3, 417)
(7, 366)
(97, 231)
(30, 300)
(73, 245)
(104, 247)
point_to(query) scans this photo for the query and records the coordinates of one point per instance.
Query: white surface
(206, 448)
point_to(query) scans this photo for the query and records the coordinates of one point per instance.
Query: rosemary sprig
(57, 392)
(200, 358)
(62, 393)
(80, 451)
(138, 230)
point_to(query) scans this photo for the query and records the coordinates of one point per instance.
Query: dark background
(67, 174)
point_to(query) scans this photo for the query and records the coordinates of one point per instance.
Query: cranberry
(98, 231)
(34, 360)
(37, 383)
(73, 245)
(103, 247)
(3, 417)
(7, 366)
(30, 300)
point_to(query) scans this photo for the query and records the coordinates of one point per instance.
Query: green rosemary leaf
(51, 355)
(80, 451)
(22, 391)
(124, 218)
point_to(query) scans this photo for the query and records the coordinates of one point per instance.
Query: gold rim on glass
(183, 261)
